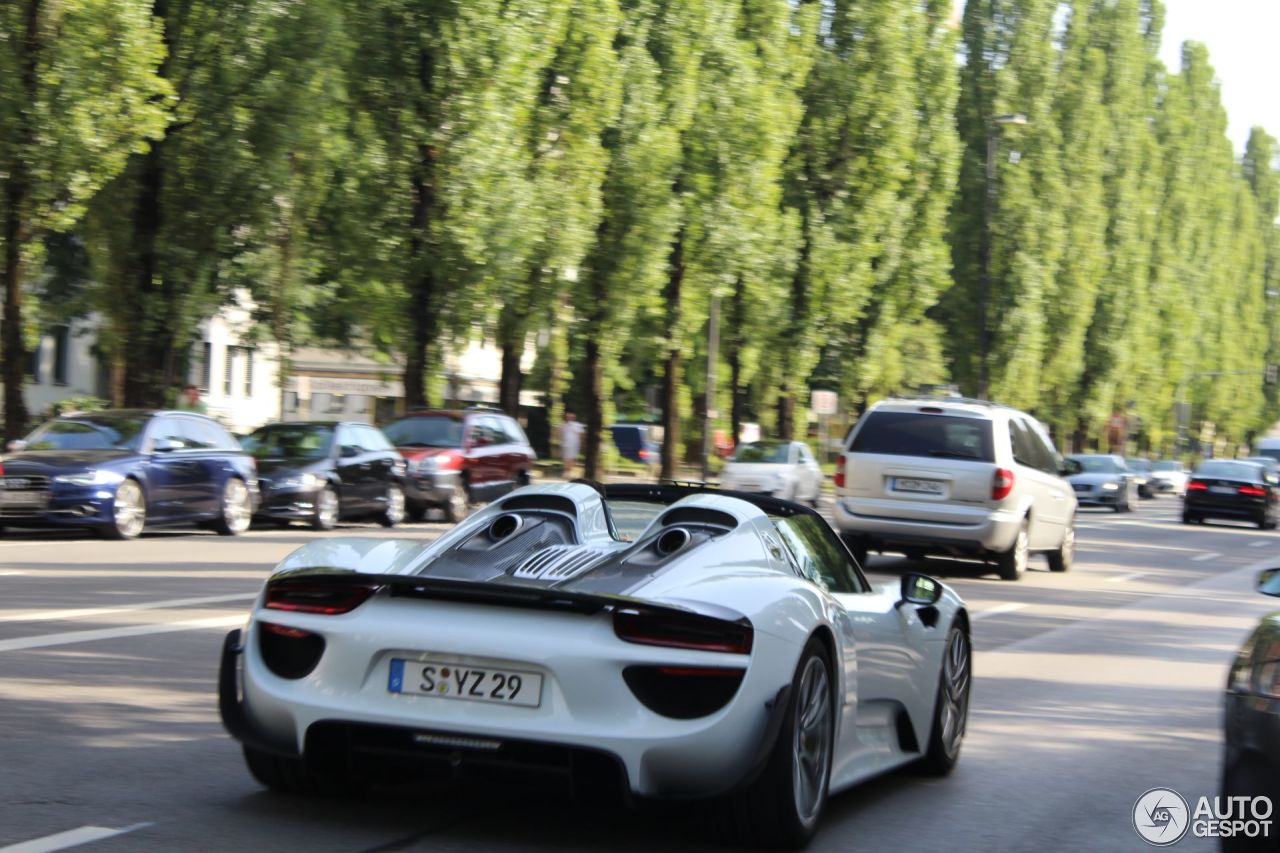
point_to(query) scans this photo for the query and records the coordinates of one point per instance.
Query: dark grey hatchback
(1251, 765)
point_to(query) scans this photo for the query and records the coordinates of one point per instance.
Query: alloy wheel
(395, 505)
(327, 508)
(955, 693)
(130, 509)
(811, 752)
(236, 510)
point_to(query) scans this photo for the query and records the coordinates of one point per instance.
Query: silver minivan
(954, 476)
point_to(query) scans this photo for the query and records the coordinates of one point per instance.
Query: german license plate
(1222, 490)
(8, 498)
(924, 487)
(471, 683)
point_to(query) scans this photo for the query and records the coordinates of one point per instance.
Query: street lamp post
(984, 247)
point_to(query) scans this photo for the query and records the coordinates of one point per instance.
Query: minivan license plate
(924, 487)
(471, 683)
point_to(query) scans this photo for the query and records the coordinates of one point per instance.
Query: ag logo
(1161, 817)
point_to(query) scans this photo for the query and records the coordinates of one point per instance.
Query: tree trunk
(591, 465)
(422, 324)
(16, 233)
(737, 404)
(512, 379)
(147, 342)
(786, 412)
(671, 373)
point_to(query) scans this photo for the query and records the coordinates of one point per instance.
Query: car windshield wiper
(951, 454)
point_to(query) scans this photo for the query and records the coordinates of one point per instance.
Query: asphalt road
(1092, 687)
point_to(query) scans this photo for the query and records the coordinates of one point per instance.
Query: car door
(483, 457)
(177, 471)
(1045, 489)
(883, 643)
(351, 464)
(382, 459)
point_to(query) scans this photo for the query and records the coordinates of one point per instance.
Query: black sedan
(119, 471)
(1237, 490)
(1251, 764)
(320, 472)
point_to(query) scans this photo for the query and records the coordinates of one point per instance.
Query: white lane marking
(1203, 558)
(1008, 607)
(68, 637)
(7, 572)
(70, 838)
(1129, 577)
(1260, 544)
(46, 615)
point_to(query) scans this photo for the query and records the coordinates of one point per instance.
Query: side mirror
(348, 451)
(1269, 582)
(166, 445)
(920, 589)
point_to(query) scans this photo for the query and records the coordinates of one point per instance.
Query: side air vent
(700, 516)
(672, 540)
(552, 503)
(559, 562)
(504, 525)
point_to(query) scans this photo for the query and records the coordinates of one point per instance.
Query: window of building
(248, 372)
(228, 363)
(206, 367)
(61, 354)
(291, 401)
(33, 363)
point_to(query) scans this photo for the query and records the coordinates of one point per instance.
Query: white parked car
(782, 469)
(955, 476)
(1168, 477)
(656, 641)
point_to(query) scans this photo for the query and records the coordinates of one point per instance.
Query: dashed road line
(67, 638)
(47, 615)
(1204, 558)
(70, 838)
(1129, 577)
(999, 609)
(1260, 544)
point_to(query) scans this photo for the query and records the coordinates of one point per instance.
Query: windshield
(89, 432)
(290, 441)
(1247, 471)
(428, 431)
(1099, 464)
(1167, 466)
(774, 452)
(1138, 464)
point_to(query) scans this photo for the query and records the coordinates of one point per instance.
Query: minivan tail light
(840, 471)
(682, 631)
(1001, 484)
(328, 599)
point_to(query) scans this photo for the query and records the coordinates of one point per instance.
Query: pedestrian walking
(570, 444)
(189, 401)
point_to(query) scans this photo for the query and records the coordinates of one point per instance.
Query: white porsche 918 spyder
(680, 642)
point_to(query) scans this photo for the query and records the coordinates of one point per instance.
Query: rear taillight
(1197, 486)
(644, 454)
(1001, 484)
(683, 692)
(682, 631)
(328, 599)
(1253, 491)
(289, 652)
(840, 471)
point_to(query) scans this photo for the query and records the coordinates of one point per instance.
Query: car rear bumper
(586, 706)
(966, 531)
(288, 505)
(1244, 508)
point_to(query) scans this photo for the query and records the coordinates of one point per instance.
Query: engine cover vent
(559, 562)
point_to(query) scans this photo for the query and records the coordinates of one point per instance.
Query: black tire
(458, 506)
(1246, 774)
(1012, 563)
(857, 547)
(394, 512)
(415, 510)
(323, 519)
(1060, 560)
(766, 813)
(951, 706)
(292, 775)
(1190, 518)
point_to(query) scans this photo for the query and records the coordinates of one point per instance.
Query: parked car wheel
(236, 510)
(393, 514)
(326, 512)
(415, 510)
(459, 505)
(129, 514)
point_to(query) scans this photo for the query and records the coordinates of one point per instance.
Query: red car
(458, 458)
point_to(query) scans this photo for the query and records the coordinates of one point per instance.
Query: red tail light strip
(317, 597)
(682, 631)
